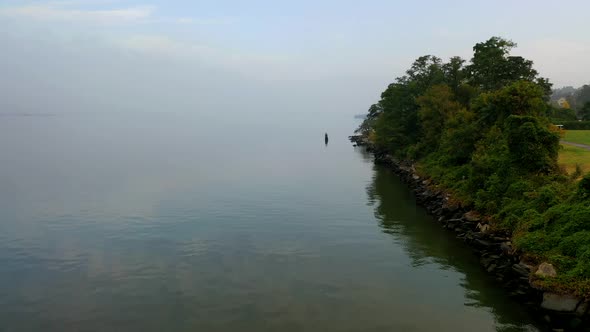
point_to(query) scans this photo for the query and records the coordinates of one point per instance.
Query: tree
(436, 106)
(369, 122)
(397, 128)
(557, 114)
(518, 98)
(585, 112)
(583, 95)
(454, 74)
(492, 67)
(425, 72)
(459, 137)
(533, 147)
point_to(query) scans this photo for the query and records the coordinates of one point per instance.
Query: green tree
(425, 72)
(459, 137)
(369, 122)
(584, 112)
(518, 98)
(436, 106)
(492, 67)
(397, 128)
(557, 114)
(454, 73)
(583, 95)
(533, 147)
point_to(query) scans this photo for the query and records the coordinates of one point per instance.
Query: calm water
(193, 223)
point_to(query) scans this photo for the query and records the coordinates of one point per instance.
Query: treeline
(482, 131)
(573, 101)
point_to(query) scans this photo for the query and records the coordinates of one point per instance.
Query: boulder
(521, 269)
(471, 216)
(506, 248)
(546, 270)
(484, 228)
(482, 243)
(557, 302)
(491, 268)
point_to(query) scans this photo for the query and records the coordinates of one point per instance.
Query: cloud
(162, 45)
(265, 66)
(66, 11)
(200, 21)
(56, 12)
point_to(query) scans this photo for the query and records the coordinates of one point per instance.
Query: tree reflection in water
(427, 243)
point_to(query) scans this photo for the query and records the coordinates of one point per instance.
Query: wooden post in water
(326, 138)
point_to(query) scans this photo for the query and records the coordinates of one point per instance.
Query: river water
(175, 222)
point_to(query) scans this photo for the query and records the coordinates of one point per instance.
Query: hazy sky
(269, 56)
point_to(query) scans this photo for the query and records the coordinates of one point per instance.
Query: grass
(570, 155)
(577, 136)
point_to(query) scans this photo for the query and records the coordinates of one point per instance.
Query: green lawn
(570, 155)
(577, 136)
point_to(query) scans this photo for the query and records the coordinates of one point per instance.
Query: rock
(546, 270)
(491, 268)
(521, 269)
(471, 216)
(484, 228)
(482, 243)
(557, 302)
(486, 262)
(449, 208)
(477, 235)
(506, 248)
(457, 215)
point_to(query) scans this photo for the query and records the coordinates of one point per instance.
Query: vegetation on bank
(482, 130)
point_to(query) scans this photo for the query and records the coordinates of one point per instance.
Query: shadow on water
(425, 242)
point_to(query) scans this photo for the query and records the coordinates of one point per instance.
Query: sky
(235, 57)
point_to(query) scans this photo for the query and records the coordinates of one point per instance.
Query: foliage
(492, 67)
(436, 106)
(584, 112)
(558, 115)
(533, 147)
(483, 132)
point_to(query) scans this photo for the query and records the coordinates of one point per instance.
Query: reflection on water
(426, 243)
(161, 224)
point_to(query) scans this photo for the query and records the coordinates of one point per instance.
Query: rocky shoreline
(561, 312)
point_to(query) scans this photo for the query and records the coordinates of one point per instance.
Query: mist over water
(179, 222)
